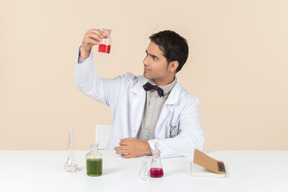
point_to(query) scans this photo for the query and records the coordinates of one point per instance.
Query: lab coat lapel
(138, 99)
(168, 108)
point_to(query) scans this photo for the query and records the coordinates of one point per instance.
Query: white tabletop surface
(43, 171)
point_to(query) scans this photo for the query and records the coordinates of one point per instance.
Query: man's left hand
(132, 147)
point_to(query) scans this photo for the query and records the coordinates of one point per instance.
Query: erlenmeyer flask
(156, 169)
(143, 172)
(71, 165)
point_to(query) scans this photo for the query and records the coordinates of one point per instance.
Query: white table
(43, 171)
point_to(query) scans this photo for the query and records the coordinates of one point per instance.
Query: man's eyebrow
(151, 54)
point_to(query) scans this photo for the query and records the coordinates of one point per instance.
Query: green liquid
(94, 167)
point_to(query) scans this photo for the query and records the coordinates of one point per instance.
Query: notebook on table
(205, 166)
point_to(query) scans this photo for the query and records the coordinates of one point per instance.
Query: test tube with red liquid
(105, 44)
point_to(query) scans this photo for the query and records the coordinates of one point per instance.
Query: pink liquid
(104, 48)
(156, 172)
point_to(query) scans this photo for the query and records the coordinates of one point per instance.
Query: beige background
(237, 67)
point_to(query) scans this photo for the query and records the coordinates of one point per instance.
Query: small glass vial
(94, 161)
(143, 172)
(156, 169)
(105, 44)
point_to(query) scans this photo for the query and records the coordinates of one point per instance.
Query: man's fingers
(93, 39)
(128, 139)
(122, 152)
(123, 143)
(121, 148)
(127, 155)
(132, 147)
(98, 32)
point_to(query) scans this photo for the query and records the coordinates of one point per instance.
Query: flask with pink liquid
(156, 169)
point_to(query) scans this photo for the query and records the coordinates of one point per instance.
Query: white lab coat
(178, 129)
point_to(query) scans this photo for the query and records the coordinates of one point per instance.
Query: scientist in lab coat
(145, 109)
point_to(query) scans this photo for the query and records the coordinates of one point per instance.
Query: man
(143, 113)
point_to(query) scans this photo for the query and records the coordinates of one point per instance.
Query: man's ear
(173, 65)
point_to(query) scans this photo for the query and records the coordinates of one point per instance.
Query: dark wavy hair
(174, 47)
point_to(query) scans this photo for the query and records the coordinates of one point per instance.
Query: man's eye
(154, 58)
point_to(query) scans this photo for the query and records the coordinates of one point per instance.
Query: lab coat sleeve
(89, 83)
(190, 137)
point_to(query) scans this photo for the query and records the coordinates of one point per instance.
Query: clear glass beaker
(105, 44)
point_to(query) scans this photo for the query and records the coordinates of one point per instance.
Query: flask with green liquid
(94, 161)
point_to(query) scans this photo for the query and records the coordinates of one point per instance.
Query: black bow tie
(148, 86)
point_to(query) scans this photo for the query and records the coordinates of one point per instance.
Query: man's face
(156, 66)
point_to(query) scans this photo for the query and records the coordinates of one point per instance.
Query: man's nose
(145, 61)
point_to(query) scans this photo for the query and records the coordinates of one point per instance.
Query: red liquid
(104, 48)
(156, 172)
